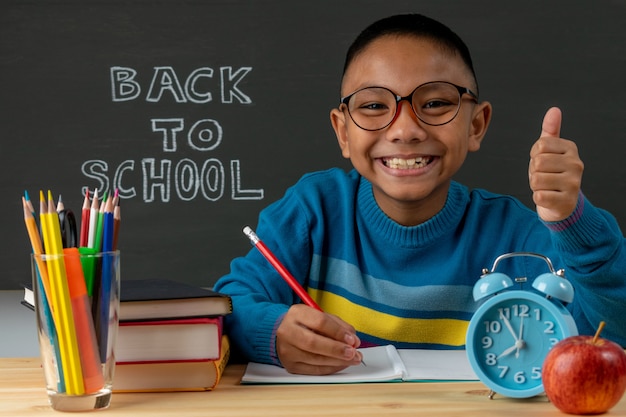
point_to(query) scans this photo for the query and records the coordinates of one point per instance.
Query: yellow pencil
(66, 330)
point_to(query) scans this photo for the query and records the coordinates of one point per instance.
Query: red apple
(585, 374)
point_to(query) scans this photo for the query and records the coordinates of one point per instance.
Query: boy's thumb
(551, 126)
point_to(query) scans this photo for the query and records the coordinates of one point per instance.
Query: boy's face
(409, 195)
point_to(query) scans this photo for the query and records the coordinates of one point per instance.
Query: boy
(395, 246)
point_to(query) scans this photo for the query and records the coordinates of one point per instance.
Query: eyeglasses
(434, 103)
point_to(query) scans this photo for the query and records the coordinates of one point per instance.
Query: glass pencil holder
(77, 303)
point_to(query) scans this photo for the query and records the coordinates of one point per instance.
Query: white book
(381, 364)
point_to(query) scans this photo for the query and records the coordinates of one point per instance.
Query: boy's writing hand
(555, 171)
(315, 343)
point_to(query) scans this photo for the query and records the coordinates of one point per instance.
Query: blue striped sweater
(412, 286)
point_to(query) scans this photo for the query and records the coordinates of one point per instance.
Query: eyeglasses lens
(374, 108)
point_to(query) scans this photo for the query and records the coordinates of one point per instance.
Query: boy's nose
(406, 126)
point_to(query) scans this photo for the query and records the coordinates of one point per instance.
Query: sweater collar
(413, 236)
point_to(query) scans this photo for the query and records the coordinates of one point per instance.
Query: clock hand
(507, 323)
(519, 336)
(507, 351)
(519, 344)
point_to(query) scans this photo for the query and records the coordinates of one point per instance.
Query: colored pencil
(108, 226)
(117, 219)
(93, 219)
(62, 307)
(85, 330)
(35, 242)
(102, 291)
(280, 268)
(84, 221)
(29, 203)
(97, 242)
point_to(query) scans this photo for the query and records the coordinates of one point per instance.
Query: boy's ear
(480, 122)
(338, 121)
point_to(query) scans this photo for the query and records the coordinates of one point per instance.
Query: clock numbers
(487, 342)
(520, 310)
(511, 332)
(511, 322)
(492, 327)
(520, 377)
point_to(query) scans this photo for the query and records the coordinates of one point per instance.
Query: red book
(193, 375)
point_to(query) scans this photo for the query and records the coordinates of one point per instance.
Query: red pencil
(84, 221)
(295, 285)
(117, 218)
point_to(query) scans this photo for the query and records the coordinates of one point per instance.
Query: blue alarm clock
(511, 333)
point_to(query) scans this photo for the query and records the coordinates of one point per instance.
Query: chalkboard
(204, 112)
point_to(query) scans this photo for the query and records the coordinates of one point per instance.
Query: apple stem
(600, 327)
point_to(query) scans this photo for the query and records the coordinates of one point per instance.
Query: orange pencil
(46, 313)
(35, 242)
(85, 331)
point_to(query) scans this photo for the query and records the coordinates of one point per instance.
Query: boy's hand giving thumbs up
(555, 171)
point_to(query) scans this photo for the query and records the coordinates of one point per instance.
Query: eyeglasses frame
(409, 98)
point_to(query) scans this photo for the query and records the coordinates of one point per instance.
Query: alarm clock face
(510, 335)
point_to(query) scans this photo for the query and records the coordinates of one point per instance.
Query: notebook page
(382, 363)
(427, 365)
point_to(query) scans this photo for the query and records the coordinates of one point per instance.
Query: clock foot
(491, 394)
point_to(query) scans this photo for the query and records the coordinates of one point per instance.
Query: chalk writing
(185, 179)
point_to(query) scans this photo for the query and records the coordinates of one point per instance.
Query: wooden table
(22, 393)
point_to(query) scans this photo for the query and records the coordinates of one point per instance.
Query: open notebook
(383, 364)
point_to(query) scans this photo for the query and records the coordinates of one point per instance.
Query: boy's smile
(409, 163)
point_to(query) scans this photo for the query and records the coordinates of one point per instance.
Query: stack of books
(170, 337)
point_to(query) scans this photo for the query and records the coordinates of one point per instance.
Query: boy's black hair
(412, 25)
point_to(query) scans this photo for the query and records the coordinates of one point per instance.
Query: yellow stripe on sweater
(449, 332)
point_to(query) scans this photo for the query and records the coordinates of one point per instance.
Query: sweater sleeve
(260, 296)
(592, 247)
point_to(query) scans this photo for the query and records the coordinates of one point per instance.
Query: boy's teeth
(399, 163)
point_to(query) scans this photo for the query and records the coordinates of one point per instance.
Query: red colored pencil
(295, 285)
(84, 221)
